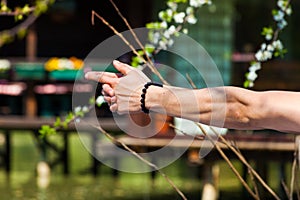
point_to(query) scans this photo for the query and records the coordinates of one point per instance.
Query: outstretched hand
(123, 92)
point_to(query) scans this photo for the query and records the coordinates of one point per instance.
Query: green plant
(272, 47)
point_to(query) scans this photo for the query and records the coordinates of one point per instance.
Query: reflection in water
(43, 175)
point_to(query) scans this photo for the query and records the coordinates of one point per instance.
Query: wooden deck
(263, 142)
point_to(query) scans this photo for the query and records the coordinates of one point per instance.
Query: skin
(230, 107)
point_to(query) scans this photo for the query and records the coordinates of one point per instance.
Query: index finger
(102, 77)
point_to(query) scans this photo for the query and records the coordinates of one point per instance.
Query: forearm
(229, 107)
(174, 101)
(207, 106)
(282, 110)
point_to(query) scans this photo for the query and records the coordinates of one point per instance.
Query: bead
(143, 95)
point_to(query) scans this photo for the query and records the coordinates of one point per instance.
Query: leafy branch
(63, 123)
(272, 47)
(19, 13)
(172, 21)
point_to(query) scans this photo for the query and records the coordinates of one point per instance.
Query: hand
(123, 93)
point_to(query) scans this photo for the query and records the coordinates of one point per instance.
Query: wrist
(151, 97)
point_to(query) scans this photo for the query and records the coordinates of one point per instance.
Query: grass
(21, 184)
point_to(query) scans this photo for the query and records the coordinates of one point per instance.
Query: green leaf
(26, 9)
(141, 52)
(57, 122)
(267, 31)
(246, 84)
(46, 130)
(22, 33)
(134, 63)
(4, 8)
(274, 12)
(6, 37)
(178, 1)
(165, 16)
(280, 53)
(153, 25)
(92, 101)
(65, 124)
(18, 17)
(69, 117)
(137, 59)
(40, 8)
(149, 48)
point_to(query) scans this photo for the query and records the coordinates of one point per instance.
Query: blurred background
(32, 89)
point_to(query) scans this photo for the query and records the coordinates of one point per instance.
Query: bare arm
(236, 108)
(229, 107)
(282, 110)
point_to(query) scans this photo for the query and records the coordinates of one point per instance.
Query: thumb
(122, 67)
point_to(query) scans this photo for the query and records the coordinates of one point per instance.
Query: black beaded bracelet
(143, 95)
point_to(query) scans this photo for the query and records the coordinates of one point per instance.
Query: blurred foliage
(24, 16)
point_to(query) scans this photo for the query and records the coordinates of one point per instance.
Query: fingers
(107, 90)
(110, 81)
(107, 77)
(109, 97)
(112, 102)
(122, 67)
(114, 107)
(102, 77)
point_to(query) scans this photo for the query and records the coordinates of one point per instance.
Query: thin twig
(151, 64)
(240, 156)
(294, 179)
(276, 33)
(250, 172)
(190, 81)
(297, 183)
(221, 152)
(256, 196)
(285, 188)
(17, 12)
(200, 137)
(153, 69)
(245, 162)
(254, 183)
(115, 31)
(294, 167)
(23, 26)
(116, 141)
